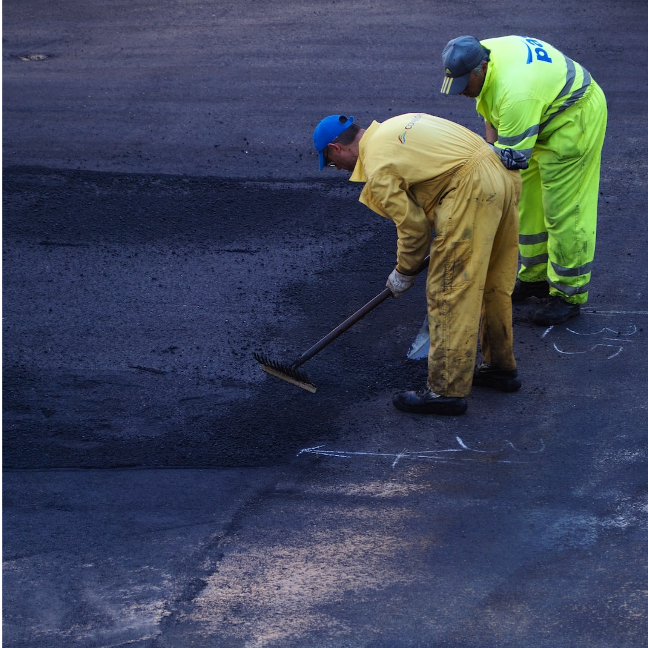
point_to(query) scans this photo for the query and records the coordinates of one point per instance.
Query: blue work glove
(512, 159)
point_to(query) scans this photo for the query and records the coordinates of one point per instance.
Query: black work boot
(555, 311)
(487, 376)
(426, 401)
(525, 289)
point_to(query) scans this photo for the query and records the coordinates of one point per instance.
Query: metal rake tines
(289, 373)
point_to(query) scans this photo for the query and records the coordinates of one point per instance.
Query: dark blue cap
(460, 57)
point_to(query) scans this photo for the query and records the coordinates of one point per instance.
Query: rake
(292, 373)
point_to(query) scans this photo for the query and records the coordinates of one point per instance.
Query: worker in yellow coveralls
(537, 101)
(449, 195)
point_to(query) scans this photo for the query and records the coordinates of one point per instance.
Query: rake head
(286, 372)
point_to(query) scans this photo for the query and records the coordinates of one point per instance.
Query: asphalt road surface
(164, 219)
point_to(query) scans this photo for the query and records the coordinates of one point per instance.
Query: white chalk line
(399, 457)
(544, 335)
(425, 455)
(631, 330)
(612, 312)
(613, 346)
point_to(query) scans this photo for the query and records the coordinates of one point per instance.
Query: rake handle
(338, 330)
(350, 321)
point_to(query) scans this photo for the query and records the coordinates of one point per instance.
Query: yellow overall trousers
(473, 265)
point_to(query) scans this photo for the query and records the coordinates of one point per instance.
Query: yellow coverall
(548, 107)
(426, 173)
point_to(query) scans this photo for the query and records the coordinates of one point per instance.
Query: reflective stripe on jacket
(528, 84)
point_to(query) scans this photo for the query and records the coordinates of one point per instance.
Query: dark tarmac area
(164, 219)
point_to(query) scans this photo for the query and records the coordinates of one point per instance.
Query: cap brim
(455, 85)
(321, 160)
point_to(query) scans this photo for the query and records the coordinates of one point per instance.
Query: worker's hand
(399, 283)
(512, 159)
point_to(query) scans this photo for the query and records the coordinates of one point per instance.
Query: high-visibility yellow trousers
(473, 264)
(560, 198)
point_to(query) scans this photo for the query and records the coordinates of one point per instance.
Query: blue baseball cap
(460, 57)
(327, 130)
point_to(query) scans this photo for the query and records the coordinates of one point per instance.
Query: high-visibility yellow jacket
(528, 84)
(407, 163)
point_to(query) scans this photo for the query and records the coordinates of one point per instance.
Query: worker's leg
(570, 164)
(453, 315)
(466, 224)
(533, 232)
(496, 331)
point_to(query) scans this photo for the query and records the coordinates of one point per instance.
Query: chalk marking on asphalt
(426, 455)
(631, 330)
(506, 443)
(544, 335)
(598, 312)
(613, 346)
(400, 456)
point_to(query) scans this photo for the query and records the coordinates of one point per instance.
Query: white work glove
(398, 283)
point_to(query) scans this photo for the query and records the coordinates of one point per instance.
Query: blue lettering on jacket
(540, 52)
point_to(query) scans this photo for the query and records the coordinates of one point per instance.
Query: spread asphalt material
(164, 219)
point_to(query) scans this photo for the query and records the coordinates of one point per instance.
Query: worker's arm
(518, 126)
(389, 196)
(510, 157)
(491, 133)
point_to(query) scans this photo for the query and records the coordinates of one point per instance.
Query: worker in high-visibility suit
(536, 100)
(428, 174)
